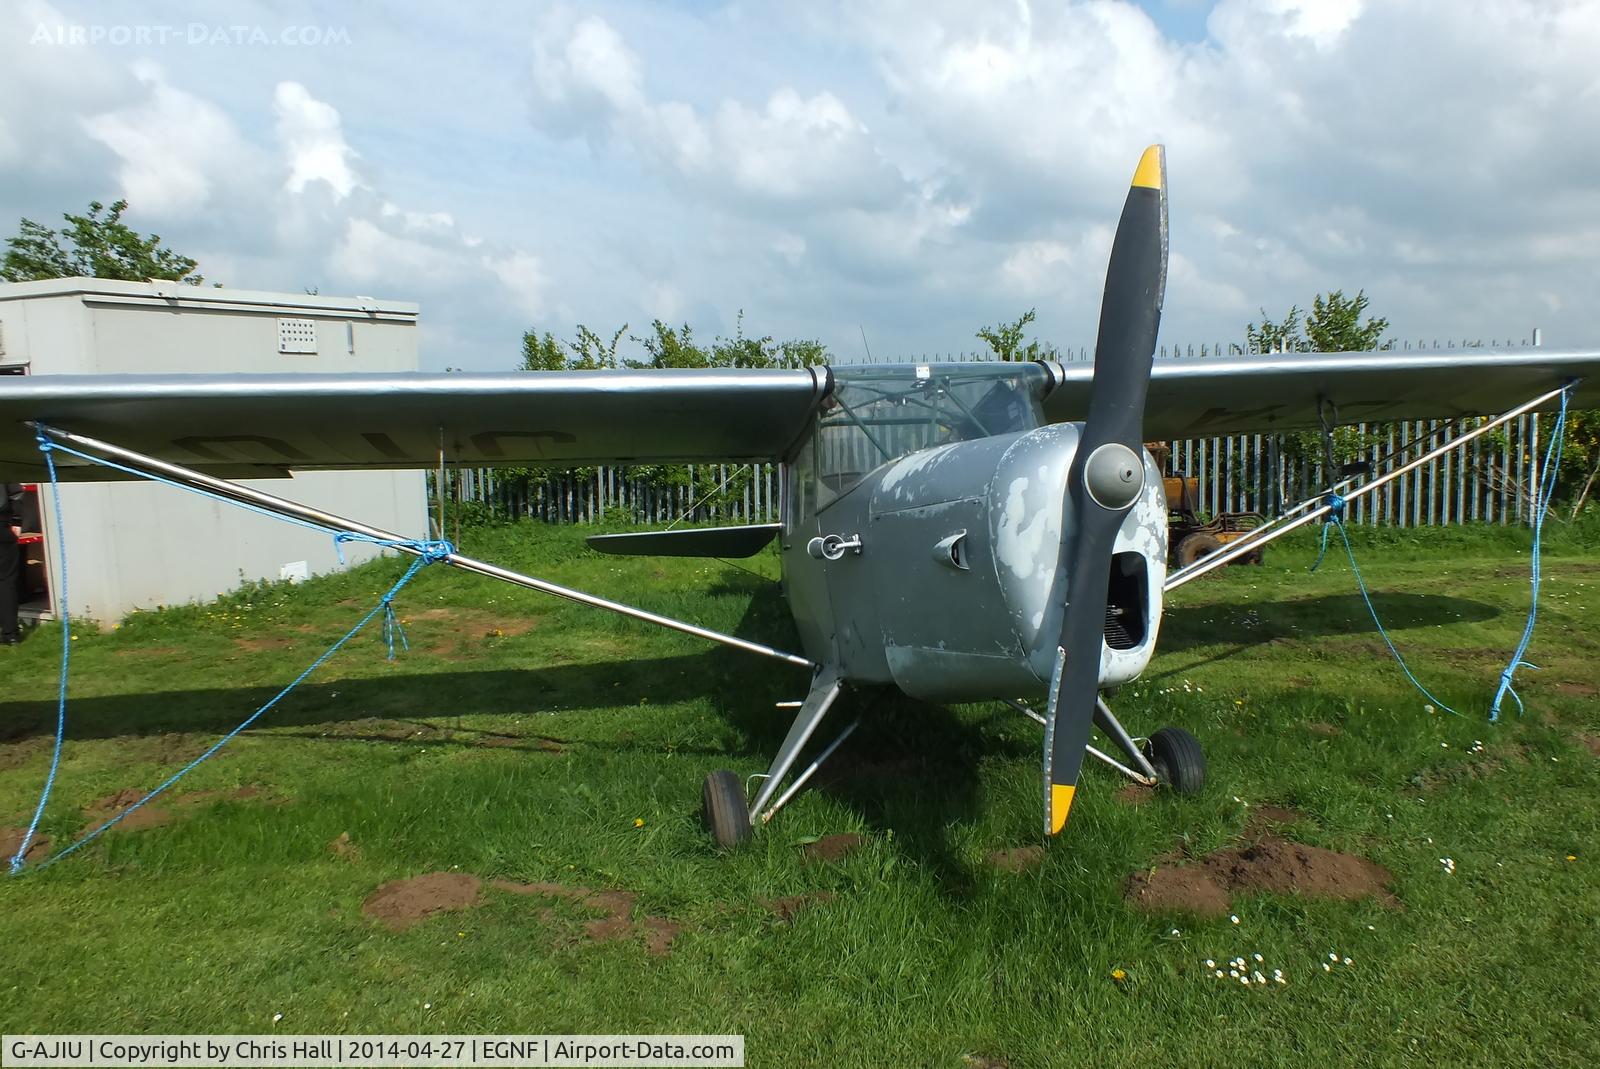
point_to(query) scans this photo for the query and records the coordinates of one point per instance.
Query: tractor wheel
(727, 813)
(1195, 547)
(1179, 762)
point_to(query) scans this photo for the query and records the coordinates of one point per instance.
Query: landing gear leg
(724, 804)
(1171, 757)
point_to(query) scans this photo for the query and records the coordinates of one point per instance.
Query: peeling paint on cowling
(1029, 572)
(1024, 528)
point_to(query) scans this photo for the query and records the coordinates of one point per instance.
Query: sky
(891, 175)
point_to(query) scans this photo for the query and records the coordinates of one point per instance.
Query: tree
(586, 352)
(96, 246)
(1333, 326)
(664, 347)
(1006, 340)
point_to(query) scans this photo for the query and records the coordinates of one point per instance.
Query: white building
(138, 545)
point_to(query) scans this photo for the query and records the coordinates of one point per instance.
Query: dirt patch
(1592, 742)
(1017, 859)
(399, 904)
(343, 847)
(616, 909)
(11, 838)
(832, 847)
(1272, 864)
(148, 815)
(17, 754)
(659, 934)
(1177, 889)
(790, 905)
(1573, 686)
(1326, 730)
(163, 809)
(1135, 794)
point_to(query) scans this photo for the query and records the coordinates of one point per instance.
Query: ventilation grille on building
(297, 336)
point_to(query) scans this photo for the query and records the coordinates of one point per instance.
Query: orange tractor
(1190, 537)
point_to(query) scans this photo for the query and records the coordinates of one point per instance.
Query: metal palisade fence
(1492, 481)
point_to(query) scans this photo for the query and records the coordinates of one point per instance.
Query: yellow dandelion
(1119, 975)
(638, 822)
(1572, 857)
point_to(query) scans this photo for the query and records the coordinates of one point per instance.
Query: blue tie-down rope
(1335, 520)
(1547, 488)
(428, 553)
(1546, 491)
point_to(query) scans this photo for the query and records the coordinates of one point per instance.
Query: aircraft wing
(1200, 397)
(256, 426)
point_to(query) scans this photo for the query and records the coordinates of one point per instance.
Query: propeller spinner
(1107, 472)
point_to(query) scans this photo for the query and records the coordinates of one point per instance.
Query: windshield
(879, 413)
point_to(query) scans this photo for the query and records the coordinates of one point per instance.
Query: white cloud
(310, 134)
(794, 150)
(173, 147)
(524, 280)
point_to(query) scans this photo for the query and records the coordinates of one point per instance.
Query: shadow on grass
(913, 767)
(1244, 626)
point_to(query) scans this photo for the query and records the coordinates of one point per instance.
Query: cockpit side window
(877, 414)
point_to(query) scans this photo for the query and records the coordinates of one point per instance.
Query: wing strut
(1315, 508)
(140, 464)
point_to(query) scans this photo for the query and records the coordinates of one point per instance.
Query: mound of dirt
(11, 838)
(1592, 742)
(1017, 859)
(1271, 864)
(401, 903)
(832, 847)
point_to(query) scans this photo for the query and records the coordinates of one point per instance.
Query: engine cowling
(965, 540)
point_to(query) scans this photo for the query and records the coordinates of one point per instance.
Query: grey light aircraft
(960, 531)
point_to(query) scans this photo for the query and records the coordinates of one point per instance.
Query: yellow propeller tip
(1060, 805)
(1152, 170)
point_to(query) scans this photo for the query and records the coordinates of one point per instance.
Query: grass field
(528, 739)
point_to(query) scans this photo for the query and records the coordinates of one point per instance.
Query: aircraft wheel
(727, 813)
(1179, 762)
(1196, 546)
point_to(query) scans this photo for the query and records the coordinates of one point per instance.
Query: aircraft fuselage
(936, 569)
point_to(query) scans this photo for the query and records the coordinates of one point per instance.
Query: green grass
(926, 953)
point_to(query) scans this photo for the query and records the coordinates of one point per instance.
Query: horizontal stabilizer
(744, 541)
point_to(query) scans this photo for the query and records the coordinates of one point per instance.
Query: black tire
(1196, 546)
(727, 813)
(1179, 762)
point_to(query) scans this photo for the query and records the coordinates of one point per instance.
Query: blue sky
(910, 170)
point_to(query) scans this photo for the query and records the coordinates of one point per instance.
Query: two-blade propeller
(1107, 473)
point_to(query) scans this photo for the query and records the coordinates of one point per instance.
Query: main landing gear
(1170, 758)
(729, 818)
